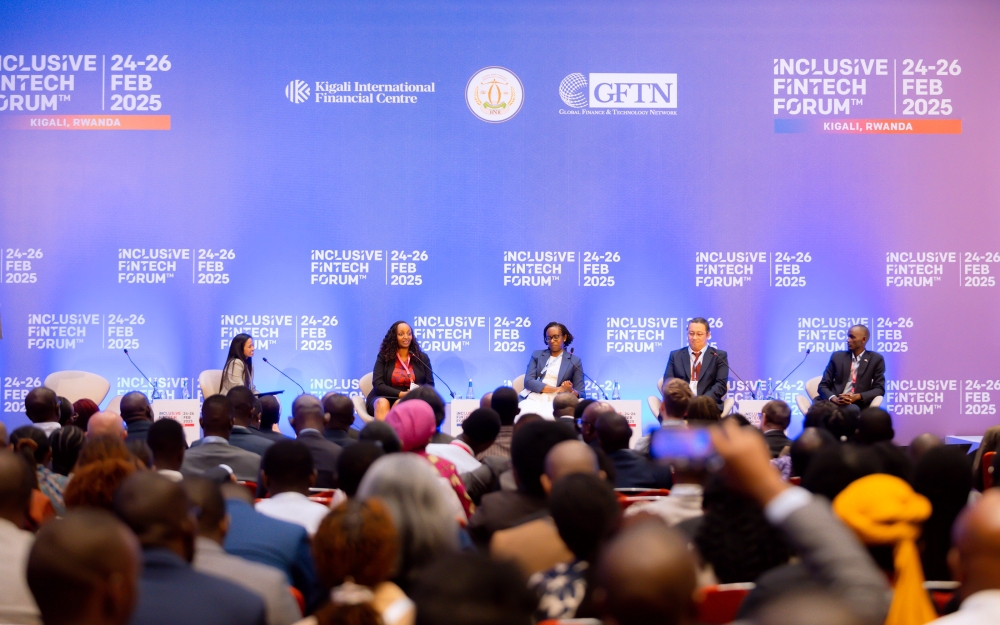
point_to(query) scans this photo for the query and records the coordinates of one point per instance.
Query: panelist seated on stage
(855, 377)
(238, 370)
(703, 367)
(553, 370)
(400, 366)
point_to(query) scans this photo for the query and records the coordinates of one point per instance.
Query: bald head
(41, 405)
(567, 458)
(613, 431)
(484, 401)
(135, 407)
(158, 511)
(217, 416)
(16, 484)
(922, 444)
(589, 418)
(975, 558)
(564, 405)
(84, 568)
(106, 424)
(307, 412)
(646, 575)
(339, 410)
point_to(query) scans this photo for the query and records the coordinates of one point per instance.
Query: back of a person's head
(580, 407)
(778, 413)
(505, 402)
(41, 404)
(65, 410)
(135, 405)
(806, 446)
(216, 414)
(99, 448)
(735, 537)
(563, 404)
(944, 476)
(85, 563)
(613, 432)
(155, 509)
(833, 468)
(95, 484)
(84, 409)
(341, 411)
(270, 412)
(66, 443)
(645, 575)
(736, 418)
(469, 589)
(32, 443)
(677, 396)
(287, 464)
(702, 410)
(875, 426)
(242, 400)
(818, 413)
(843, 425)
(410, 489)
(355, 542)
(206, 499)
(354, 462)
(382, 433)
(167, 442)
(586, 512)
(433, 399)
(482, 426)
(528, 449)
(17, 481)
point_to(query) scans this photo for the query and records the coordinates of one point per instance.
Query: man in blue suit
(171, 591)
(631, 469)
(699, 364)
(554, 370)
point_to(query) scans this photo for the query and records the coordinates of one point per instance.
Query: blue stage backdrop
(173, 173)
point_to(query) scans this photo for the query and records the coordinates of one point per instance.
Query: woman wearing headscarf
(415, 425)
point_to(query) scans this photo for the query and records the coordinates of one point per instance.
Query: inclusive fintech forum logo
(297, 91)
(619, 91)
(494, 94)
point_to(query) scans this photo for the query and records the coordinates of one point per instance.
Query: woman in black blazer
(400, 364)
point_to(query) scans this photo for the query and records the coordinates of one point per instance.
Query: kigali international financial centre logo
(494, 94)
(297, 91)
(619, 91)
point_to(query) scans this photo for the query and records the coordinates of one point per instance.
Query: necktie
(854, 374)
(696, 369)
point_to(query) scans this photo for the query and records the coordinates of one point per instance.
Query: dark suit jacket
(499, 511)
(245, 464)
(714, 380)
(570, 368)
(339, 437)
(246, 439)
(871, 377)
(635, 471)
(172, 592)
(138, 430)
(269, 435)
(776, 441)
(325, 455)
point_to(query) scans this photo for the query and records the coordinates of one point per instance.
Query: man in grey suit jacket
(217, 423)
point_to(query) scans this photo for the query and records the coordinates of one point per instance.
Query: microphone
(592, 381)
(778, 385)
(715, 353)
(156, 390)
(431, 369)
(284, 374)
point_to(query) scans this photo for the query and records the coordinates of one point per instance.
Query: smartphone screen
(683, 447)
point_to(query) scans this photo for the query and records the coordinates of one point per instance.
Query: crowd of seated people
(109, 518)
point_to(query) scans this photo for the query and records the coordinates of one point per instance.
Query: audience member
(563, 405)
(806, 446)
(339, 417)
(472, 590)
(430, 395)
(171, 591)
(588, 421)
(486, 400)
(479, 431)
(683, 507)
(102, 448)
(4, 439)
(167, 442)
(259, 538)
(66, 443)
(921, 444)
(96, 479)
(943, 475)
(85, 569)
(833, 468)
(990, 442)
(137, 414)
(504, 401)
(287, 473)
(819, 413)
(414, 423)
(645, 575)
(356, 553)
(242, 400)
(66, 412)
(41, 405)
(975, 563)
(843, 425)
(737, 418)
(580, 407)
(381, 433)
(106, 424)
(141, 452)
(307, 421)
(807, 608)
(677, 397)
(875, 426)
(631, 469)
(504, 509)
(586, 513)
(776, 416)
(217, 424)
(270, 415)
(354, 463)
(266, 582)
(703, 410)
(16, 486)
(33, 445)
(423, 519)
(84, 409)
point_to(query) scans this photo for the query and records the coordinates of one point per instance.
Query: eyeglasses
(553, 337)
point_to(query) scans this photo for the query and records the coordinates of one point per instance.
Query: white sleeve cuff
(782, 506)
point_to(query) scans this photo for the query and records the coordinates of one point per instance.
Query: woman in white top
(553, 370)
(239, 366)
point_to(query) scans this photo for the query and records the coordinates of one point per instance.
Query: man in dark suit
(775, 420)
(270, 414)
(171, 591)
(631, 469)
(339, 415)
(217, 423)
(855, 377)
(244, 415)
(699, 364)
(137, 414)
(307, 421)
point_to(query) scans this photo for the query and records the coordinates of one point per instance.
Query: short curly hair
(95, 484)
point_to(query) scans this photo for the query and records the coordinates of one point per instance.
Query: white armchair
(77, 385)
(359, 401)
